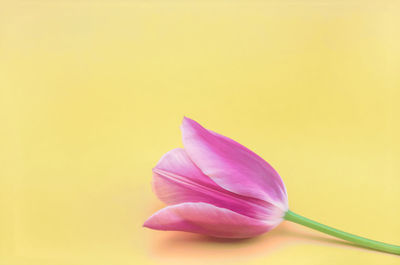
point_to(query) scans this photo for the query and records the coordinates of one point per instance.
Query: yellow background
(92, 94)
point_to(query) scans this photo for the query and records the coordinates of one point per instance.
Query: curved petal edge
(207, 219)
(232, 166)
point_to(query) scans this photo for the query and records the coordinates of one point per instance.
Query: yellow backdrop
(92, 93)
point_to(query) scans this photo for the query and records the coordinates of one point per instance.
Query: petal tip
(185, 119)
(190, 127)
(189, 122)
(146, 224)
(186, 122)
(149, 223)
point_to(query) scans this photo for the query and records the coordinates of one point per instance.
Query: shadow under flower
(180, 244)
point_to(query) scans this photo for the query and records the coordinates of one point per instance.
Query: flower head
(217, 187)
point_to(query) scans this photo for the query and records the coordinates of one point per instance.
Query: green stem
(362, 241)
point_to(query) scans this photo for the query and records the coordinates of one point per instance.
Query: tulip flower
(217, 187)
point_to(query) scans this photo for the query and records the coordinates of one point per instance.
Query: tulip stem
(362, 241)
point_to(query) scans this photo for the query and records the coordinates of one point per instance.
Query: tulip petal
(178, 162)
(231, 165)
(176, 179)
(204, 218)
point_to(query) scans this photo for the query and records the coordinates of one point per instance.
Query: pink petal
(232, 166)
(178, 162)
(176, 179)
(204, 218)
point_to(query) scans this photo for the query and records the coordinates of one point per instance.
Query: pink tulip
(217, 187)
